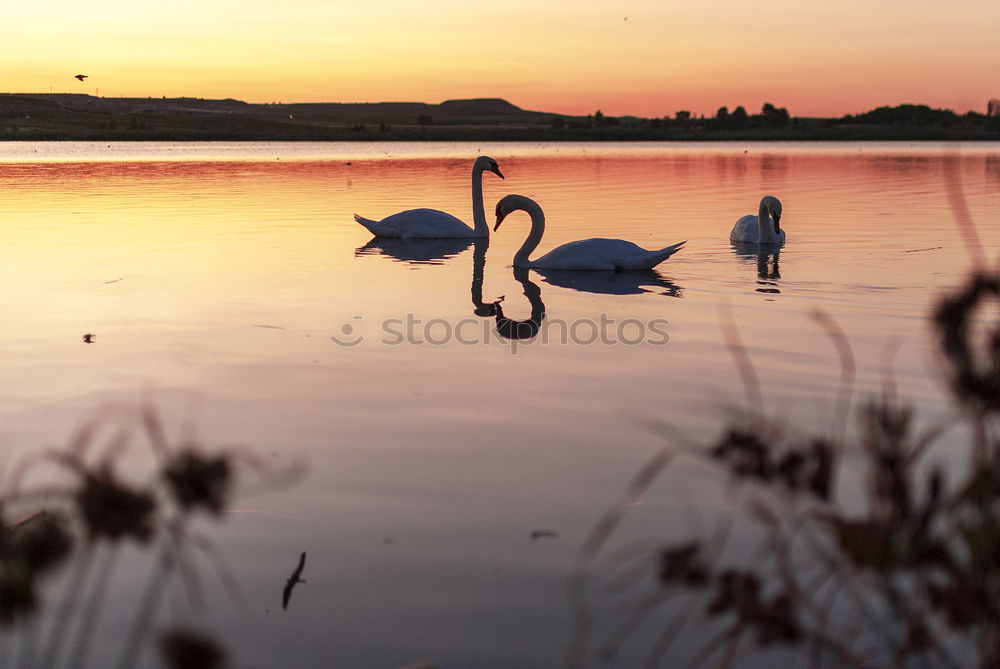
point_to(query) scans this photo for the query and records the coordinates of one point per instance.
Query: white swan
(434, 224)
(586, 254)
(763, 228)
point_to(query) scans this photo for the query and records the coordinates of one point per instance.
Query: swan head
(505, 207)
(487, 164)
(501, 212)
(508, 204)
(773, 207)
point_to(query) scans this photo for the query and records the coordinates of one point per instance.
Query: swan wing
(603, 254)
(644, 259)
(745, 229)
(585, 254)
(418, 224)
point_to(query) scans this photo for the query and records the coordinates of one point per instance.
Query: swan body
(587, 254)
(764, 228)
(434, 224)
(419, 224)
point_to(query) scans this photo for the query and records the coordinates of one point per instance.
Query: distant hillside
(490, 111)
(72, 116)
(483, 106)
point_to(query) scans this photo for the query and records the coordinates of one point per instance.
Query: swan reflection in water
(767, 256)
(631, 282)
(508, 328)
(415, 251)
(438, 251)
(480, 308)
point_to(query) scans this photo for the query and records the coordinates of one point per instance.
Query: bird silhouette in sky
(292, 581)
(81, 77)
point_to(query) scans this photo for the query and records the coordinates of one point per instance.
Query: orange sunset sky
(643, 57)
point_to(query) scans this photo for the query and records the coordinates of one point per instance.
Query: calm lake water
(217, 280)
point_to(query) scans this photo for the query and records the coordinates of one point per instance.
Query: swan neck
(763, 222)
(521, 258)
(479, 223)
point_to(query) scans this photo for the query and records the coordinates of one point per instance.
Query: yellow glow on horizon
(646, 57)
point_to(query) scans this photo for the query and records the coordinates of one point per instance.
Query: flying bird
(81, 77)
(292, 581)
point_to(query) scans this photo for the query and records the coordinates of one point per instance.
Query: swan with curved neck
(587, 254)
(764, 228)
(434, 224)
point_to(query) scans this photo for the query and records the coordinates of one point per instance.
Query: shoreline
(504, 137)
(72, 117)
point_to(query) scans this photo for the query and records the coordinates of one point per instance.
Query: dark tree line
(769, 117)
(903, 121)
(919, 116)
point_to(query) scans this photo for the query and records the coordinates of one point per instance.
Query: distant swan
(586, 254)
(434, 224)
(763, 228)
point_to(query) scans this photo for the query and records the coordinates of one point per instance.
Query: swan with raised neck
(435, 224)
(587, 254)
(764, 228)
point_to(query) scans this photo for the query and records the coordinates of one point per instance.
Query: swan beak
(498, 172)
(777, 223)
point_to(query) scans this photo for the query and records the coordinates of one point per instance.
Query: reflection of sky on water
(214, 289)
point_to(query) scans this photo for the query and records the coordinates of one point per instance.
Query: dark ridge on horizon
(79, 116)
(467, 105)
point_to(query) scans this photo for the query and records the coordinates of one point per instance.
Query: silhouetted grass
(82, 519)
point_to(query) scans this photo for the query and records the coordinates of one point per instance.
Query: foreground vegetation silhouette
(82, 518)
(816, 563)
